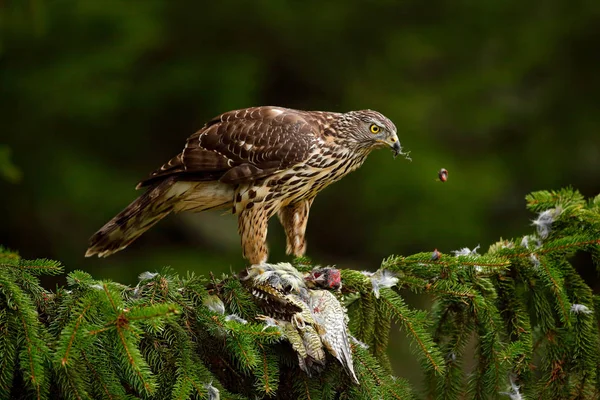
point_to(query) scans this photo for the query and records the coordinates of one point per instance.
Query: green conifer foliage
(516, 322)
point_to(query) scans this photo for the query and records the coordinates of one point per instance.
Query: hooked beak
(396, 148)
(394, 143)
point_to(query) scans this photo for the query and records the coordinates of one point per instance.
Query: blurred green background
(94, 95)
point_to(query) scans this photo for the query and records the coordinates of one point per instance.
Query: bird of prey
(256, 162)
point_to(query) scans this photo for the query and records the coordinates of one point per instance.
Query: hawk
(256, 162)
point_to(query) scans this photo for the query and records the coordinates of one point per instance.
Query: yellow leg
(252, 227)
(294, 219)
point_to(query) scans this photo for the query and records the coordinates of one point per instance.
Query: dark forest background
(94, 95)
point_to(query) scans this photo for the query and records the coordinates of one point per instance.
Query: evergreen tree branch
(532, 318)
(416, 324)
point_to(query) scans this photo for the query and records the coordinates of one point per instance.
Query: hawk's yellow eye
(375, 129)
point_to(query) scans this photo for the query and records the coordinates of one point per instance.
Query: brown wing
(244, 145)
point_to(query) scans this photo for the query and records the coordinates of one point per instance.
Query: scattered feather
(144, 276)
(236, 318)
(534, 260)
(514, 393)
(137, 291)
(212, 393)
(580, 309)
(543, 222)
(269, 322)
(214, 304)
(525, 241)
(97, 286)
(465, 251)
(380, 279)
(406, 154)
(451, 357)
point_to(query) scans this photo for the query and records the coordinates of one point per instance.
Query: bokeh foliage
(94, 95)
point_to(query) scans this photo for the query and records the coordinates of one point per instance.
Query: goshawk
(256, 162)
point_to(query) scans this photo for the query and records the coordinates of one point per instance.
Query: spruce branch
(416, 325)
(34, 353)
(531, 317)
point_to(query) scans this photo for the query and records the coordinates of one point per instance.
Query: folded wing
(243, 145)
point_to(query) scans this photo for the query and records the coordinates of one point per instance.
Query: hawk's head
(369, 130)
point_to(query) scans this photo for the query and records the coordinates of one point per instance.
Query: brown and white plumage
(257, 162)
(331, 318)
(311, 318)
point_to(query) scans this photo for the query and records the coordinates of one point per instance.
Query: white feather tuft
(236, 318)
(269, 322)
(212, 392)
(535, 261)
(514, 393)
(381, 279)
(214, 304)
(580, 309)
(544, 221)
(145, 276)
(465, 251)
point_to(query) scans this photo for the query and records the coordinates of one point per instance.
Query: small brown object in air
(443, 175)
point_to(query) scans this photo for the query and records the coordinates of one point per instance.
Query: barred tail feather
(167, 196)
(132, 222)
